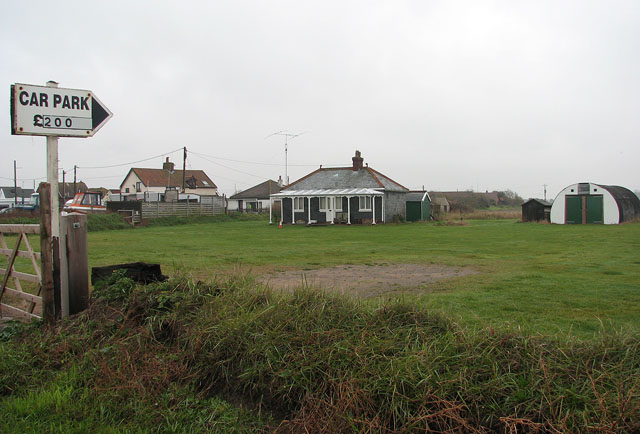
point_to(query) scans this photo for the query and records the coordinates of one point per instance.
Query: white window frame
(364, 199)
(338, 203)
(326, 202)
(297, 202)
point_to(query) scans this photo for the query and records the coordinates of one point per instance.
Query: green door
(594, 209)
(413, 211)
(573, 210)
(426, 210)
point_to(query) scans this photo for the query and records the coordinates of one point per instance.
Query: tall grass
(483, 214)
(316, 362)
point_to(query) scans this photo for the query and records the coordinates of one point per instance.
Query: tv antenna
(287, 136)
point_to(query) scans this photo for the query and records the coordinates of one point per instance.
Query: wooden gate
(24, 300)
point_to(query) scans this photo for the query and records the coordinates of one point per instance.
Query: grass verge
(158, 358)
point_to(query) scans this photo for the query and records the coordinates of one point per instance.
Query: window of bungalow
(365, 203)
(298, 204)
(324, 203)
(338, 203)
(138, 186)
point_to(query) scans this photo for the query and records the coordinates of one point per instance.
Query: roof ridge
(382, 174)
(373, 174)
(304, 177)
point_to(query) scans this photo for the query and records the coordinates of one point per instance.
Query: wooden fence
(24, 301)
(151, 210)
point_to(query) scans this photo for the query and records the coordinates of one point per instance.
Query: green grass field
(547, 279)
(542, 338)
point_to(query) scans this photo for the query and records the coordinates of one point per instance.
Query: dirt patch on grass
(366, 280)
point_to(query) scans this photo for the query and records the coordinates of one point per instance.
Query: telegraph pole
(184, 167)
(74, 180)
(64, 187)
(15, 185)
(545, 191)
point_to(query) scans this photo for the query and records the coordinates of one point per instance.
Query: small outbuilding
(418, 206)
(587, 202)
(536, 210)
(255, 199)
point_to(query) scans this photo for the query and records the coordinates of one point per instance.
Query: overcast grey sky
(483, 95)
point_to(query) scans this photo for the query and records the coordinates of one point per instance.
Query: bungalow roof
(260, 191)
(345, 178)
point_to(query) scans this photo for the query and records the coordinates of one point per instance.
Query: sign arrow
(99, 114)
(52, 111)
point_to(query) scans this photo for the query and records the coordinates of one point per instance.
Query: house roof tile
(163, 178)
(260, 191)
(344, 178)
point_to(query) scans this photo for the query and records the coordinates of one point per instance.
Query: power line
(230, 168)
(132, 162)
(250, 162)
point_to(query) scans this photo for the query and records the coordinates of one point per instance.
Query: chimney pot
(357, 161)
(168, 166)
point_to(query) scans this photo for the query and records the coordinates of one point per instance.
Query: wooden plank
(32, 256)
(16, 229)
(24, 295)
(159, 209)
(21, 253)
(10, 260)
(23, 276)
(78, 263)
(17, 313)
(7, 253)
(46, 250)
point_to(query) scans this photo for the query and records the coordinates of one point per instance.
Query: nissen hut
(586, 202)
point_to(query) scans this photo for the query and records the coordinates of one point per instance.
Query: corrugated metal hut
(418, 206)
(586, 202)
(536, 210)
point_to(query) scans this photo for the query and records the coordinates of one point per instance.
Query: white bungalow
(356, 194)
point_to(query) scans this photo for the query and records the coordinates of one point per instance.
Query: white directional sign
(52, 111)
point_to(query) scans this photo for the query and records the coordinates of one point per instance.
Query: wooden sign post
(54, 112)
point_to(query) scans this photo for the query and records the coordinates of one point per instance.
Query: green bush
(179, 220)
(105, 222)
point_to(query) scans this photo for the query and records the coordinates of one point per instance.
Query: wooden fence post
(46, 254)
(77, 250)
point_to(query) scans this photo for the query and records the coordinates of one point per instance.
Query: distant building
(536, 210)
(9, 196)
(468, 197)
(586, 202)
(439, 204)
(254, 199)
(152, 185)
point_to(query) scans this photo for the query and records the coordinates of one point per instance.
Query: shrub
(105, 222)
(325, 363)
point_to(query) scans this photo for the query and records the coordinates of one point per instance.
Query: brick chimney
(168, 166)
(357, 161)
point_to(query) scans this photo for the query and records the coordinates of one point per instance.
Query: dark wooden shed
(536, 210)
